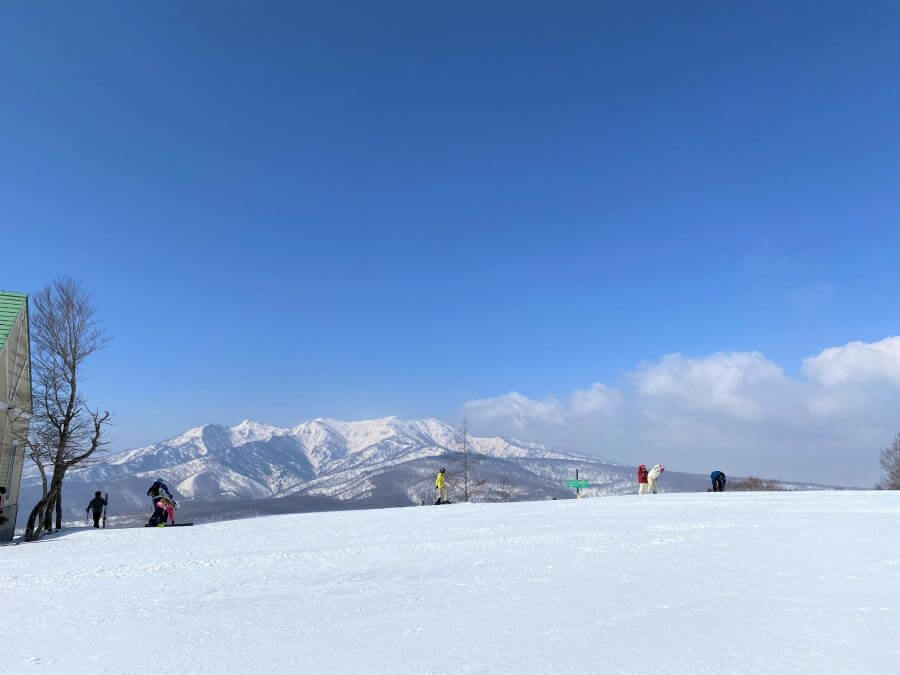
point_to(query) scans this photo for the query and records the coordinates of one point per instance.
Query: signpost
(577, 484)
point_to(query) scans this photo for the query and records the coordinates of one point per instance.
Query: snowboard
(171, 525)
(106, 499)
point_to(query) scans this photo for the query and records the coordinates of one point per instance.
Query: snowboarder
(96, 506)
(441, 486)
(642, 480)
(718, 481)
(158, 491)
(653, 476)
(168, 506)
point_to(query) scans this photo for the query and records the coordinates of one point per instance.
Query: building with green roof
(15, 403)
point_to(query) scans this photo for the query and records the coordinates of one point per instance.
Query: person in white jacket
(653, 476)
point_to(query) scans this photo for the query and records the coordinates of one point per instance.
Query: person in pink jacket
(169, 506)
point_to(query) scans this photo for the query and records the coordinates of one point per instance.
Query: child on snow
(653, 476)
(642, 480)
(158, 491)
(167, 506)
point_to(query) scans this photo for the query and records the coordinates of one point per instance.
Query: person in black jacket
(96, 505)
(157, 491)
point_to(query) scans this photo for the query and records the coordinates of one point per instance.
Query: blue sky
(289, 210)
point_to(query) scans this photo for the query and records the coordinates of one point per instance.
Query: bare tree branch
(64, 431)
(890, 462)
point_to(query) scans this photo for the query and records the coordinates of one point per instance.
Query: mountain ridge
(386, 461)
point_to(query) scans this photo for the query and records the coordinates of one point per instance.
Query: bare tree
(466, 459)
(756, 484)
(64, 431)
(890, 462)
(508, 491)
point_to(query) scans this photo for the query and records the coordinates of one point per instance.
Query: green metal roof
(10, 306)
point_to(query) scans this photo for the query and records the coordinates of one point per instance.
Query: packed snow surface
(731, 582)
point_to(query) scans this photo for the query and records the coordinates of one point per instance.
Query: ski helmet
(443, 470)
(97, 493)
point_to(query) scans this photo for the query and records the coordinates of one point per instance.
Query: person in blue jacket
(718, 481)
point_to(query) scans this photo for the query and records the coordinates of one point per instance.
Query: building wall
(15, 390)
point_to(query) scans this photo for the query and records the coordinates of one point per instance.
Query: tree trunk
(41, 516)
(59, 509)
(43, 480)
(36, 516)
(48, 511)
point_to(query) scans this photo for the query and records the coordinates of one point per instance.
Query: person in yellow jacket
(440, 486)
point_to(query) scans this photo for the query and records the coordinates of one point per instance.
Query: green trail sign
(575, 484)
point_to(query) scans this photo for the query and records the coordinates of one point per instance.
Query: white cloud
(599, 399)
(522, 412)
(856, 362)
(517, 410)
(737, 410)
(727, 383)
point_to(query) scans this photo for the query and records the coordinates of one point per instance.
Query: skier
(157, 491)
(718, 481)
(96, 505)
(168, 506)
(642, 480)
(653, 476)
(441, 486)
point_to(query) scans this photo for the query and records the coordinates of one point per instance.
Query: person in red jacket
(643, 488)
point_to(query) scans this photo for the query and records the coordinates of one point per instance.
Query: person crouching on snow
(653, 476)
(156, 492)
(718, 481)
(167, 506)
(642, 480)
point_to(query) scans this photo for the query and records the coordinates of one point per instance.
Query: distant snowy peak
(250, 431)
(361, 435)
(324, 440)
(323, 456)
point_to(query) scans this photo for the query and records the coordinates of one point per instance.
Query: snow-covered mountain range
(326, 463)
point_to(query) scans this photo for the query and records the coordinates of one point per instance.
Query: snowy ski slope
(681, 583)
